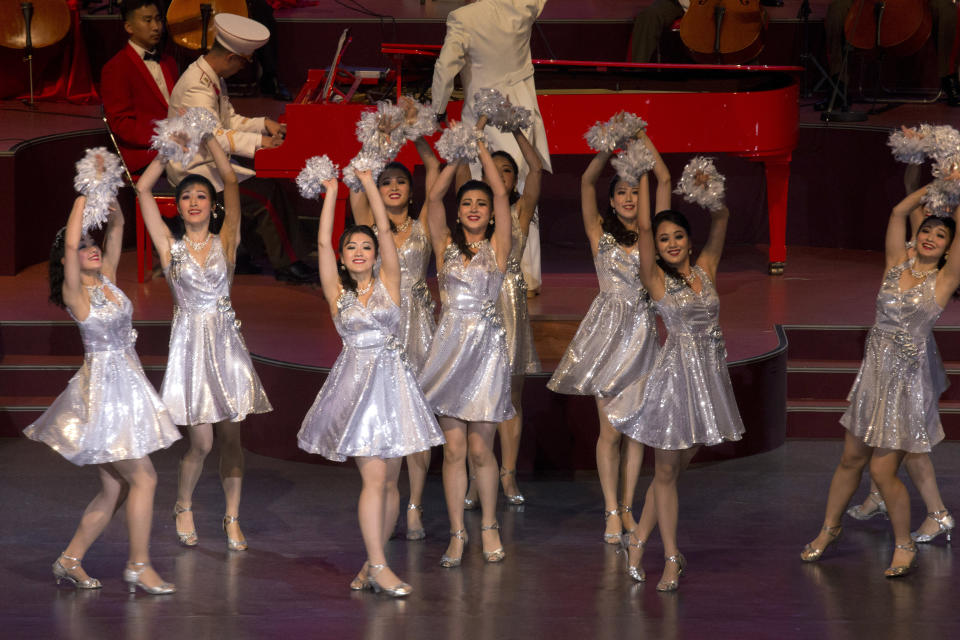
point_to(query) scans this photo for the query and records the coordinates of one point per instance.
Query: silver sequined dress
(467, 372)
(512, 305)
(109, 410)
(616, 342)
(209, 375)
(893, 402)
(687, 397)
(416, 304)
(370, 404)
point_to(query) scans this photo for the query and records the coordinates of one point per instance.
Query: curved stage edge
(560, 431)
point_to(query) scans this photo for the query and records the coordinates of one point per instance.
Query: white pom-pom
(425, 123)
(702, 184)
(500, 113)
(941, 198)
(633, 162)
(612, 134)
(363, 161)
(910, 148)
(381, 132)
(99, 176)
(178, 139)
(458, 143)
(310, 180)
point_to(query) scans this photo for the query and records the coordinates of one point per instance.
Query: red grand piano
(754, 106)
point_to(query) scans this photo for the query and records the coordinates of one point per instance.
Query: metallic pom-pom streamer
(702, 184)
(424, 125)
(910, 149)
(363, 161)
(612, 134)
(941, 198)
(458, 143)
(633, 162)
(194, 125)
(381, 131)
(310, 180)
(99, 176)
(500, 113)
(943, 143)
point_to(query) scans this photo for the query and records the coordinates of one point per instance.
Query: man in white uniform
(203, 85)
(488, 44)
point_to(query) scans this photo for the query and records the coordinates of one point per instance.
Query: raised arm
(432, 165)
(948, 280)
(112, 243)
(230, 232)
(651, 276)
(73, 295)
(437, 215)
(502, 235)
(156, 227)
(326, 257)
(527, 205)
(389, 262)
(709, 258)
(588, 199)
(360, 207)
(664, 192)
(895, 249)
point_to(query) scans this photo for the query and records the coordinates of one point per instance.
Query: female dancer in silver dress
(513, 308)
(109, 415)
(616, 342)
(209, 378)
(686, 400)
(893, 402)
(370, 407)
(466, 377)
(411, 236)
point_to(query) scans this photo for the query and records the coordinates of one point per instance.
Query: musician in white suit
(488, 44)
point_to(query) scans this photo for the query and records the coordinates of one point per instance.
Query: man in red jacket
(136, 83)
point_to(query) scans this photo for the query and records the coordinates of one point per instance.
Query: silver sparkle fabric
(512, 305)
(616, 342)
(416, 304)
(371, 404)
(109, 410)
(687, 397)
(467, 372)
(893, 402)
(209, 375)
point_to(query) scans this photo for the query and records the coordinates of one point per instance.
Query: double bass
(899, 27)
(186, 20)
(49, 23)
(723, 31)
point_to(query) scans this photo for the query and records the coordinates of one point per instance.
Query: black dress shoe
(951, 89)
(297, 272)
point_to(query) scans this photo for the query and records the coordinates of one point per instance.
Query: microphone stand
(844, 114)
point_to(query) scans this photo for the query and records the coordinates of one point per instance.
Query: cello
(899, 27)
(33, 24)
(190, 22)
(723, 31)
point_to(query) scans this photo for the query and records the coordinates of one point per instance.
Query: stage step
(16, 412)
(58, 338)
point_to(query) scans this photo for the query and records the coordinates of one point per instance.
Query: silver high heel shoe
(61, 572)
(945, 523)
(189, 538)
(448, 562)
(416, 534)
(611, 538)
(857, 511)
(635, 572)
(673, 585)
(358, 583)
(132, 578)
(469, 504)
(517, 498)
(812, 554)
(399, 591)
(497, 555)
(232, 544)
(902, 570)
(624, 509)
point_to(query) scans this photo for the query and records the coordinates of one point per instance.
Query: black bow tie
(151, 56)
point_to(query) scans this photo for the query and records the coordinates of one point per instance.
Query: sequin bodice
(414, 256)
(519, 243)
(474, 286)
(373, 325)
(914, 311)
(688, 313)
(618, 270)
(196, 286)
(107, 327)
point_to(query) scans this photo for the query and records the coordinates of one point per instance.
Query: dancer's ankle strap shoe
(132, 578)
(399, 590)
(186, 538)
(497, 555)
(416, 534)
(232, 543)
(812, 554)
(611, 538)
(62, 572)
(673, 585)
(627, 542)
(859, 513)
(945, 524)
(902, 570)
(449, 562)
(517, 498)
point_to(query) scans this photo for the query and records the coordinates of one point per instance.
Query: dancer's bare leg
(417, 466)
(846, 479)
(191, 466)
(883, 470)
(924, 478)
(510, 431)
(631, 457)
(93, 521)
(142, 480)
(480, 449)
(454, 478)
(231, 473)
(379, 479)
(608, 468)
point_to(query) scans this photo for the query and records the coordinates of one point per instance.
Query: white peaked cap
(240, 35)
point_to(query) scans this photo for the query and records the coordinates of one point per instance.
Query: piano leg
(778, 178)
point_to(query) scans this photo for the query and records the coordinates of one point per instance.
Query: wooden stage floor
(742, 526)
